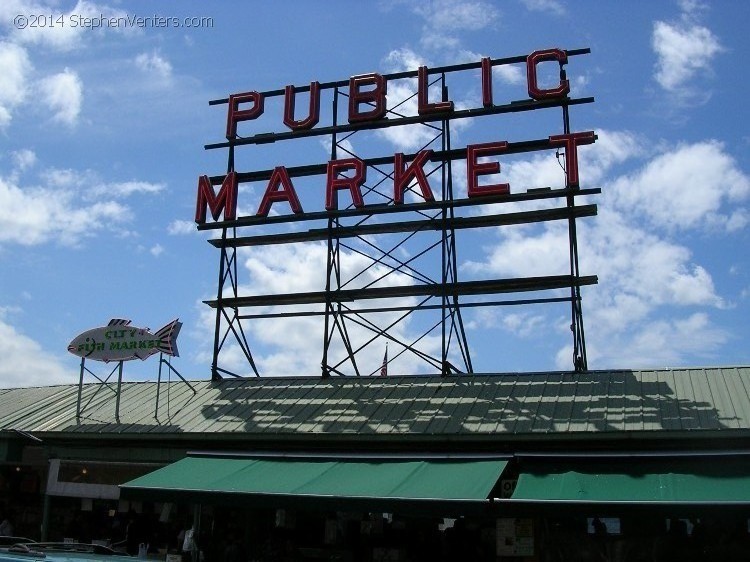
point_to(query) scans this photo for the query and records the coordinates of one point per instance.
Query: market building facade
(625, 465)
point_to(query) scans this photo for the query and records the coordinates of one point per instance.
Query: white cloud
(445, 18)
(449, 15)
(510, 73)
(68, 207)
(156, 250)
(683, 49)
(694, 185)
(293, 346)
(155, 65)
(63, 93)
(638, 263)
(550, 6)
(125, 189)
(657, 344)
(25, 363)
(32, 216)
(635, 316)
(14, 61)
(68, 29)
(611, 149)
(178, 227)
(399, 60)
(23, 159)
(402, 101)
(92, 187)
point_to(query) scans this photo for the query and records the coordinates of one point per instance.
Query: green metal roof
(504, 406)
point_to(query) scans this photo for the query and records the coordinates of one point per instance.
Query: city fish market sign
(367, 107)
(119, 341)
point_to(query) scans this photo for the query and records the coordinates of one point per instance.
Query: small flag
(384, 368)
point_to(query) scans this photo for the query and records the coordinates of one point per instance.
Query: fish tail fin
(168, 338)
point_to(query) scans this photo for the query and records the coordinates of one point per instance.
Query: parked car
(30, 551)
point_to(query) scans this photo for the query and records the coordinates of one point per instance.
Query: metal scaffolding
(410, 251)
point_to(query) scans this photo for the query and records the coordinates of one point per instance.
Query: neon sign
(356, 206)
(370, 91)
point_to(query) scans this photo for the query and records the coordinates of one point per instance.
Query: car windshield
(58, 552)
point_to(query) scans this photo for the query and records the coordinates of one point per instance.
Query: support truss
(408, 267)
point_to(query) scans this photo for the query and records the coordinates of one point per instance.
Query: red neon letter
(570, 142)
(423, 106)
(402, 177)
(486, 82)
(235, 115)
(475, 169)
(278, 178)
(531, 63)
(374, 97)
(334, 183)
(313, 114)
(226, 200)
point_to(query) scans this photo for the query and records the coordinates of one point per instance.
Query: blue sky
(102, 134)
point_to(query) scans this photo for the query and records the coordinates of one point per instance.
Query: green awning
(686, 480)
(214, 478)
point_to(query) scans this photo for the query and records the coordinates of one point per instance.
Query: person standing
(6, 527)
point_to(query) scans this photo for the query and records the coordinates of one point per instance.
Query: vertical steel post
(80, 389)
(119, 388)
(576, 313)
(327, 328)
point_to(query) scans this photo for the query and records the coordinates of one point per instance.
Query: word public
(367, 103)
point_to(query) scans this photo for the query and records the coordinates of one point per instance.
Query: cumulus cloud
(684, 49)
(660, 343)
(23, 159)
(290, 346)
(178, 227)
(68, 207)
(402, 101)
(14, 61)
(549, 6)
(63, 94)
(69, 28)
(25, 363)
(155, 65)
(444, 19)
(125, 189)
(651, 306)
(692, 185)
(510, 73)
(91, 186)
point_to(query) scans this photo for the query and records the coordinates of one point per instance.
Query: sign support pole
(119, 386)
(80, 390)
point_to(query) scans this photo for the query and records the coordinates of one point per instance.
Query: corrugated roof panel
(739, 386)
(651, 400)
(721, 397)
(462, 399)
(31, 405)
(683, 400)
(579, 420)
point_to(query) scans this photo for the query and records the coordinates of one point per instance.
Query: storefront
(615, 465)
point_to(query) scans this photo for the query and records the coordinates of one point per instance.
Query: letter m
(225, 200)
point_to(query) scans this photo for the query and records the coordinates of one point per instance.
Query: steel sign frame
(380, 229)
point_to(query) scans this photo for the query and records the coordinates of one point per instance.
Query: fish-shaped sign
(119, 341)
